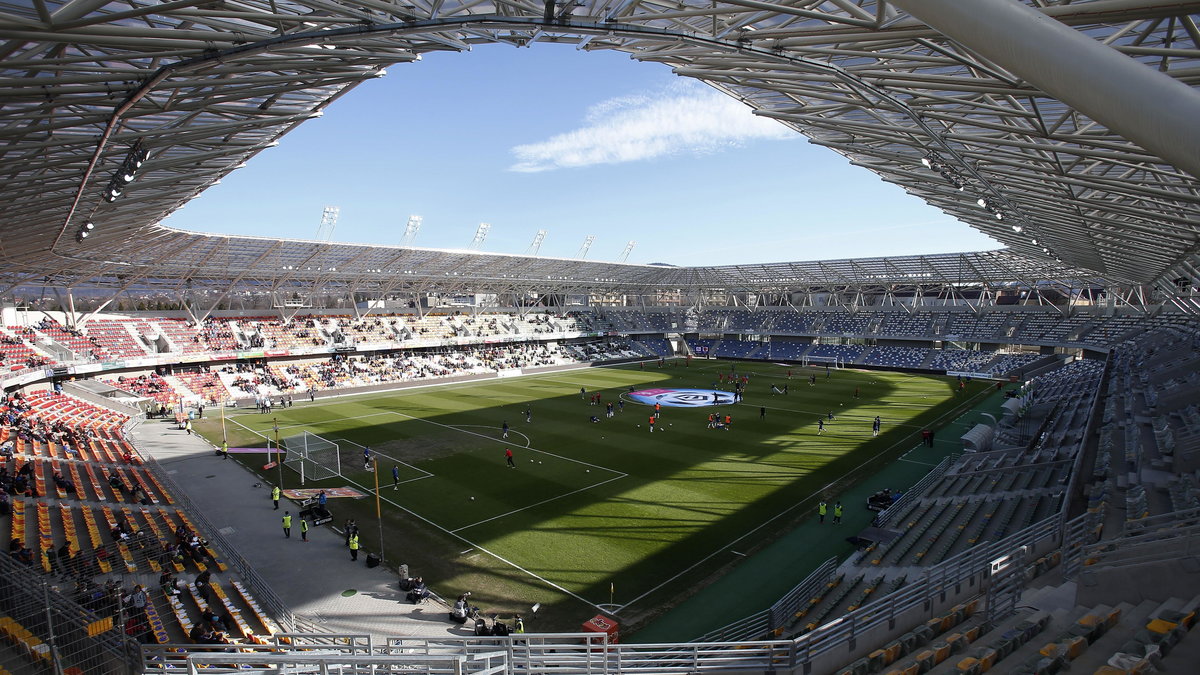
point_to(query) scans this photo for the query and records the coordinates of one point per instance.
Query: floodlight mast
(410, 230)
(627, 251)
(537, 243)
(587, 244)
(329, 219)
(480, 234)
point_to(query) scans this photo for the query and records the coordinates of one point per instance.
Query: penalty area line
(501, 441)
(398, 461)
(468, 542)
(544, 501)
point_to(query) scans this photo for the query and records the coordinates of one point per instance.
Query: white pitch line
(544, 501)
(911, 461)
(340, 419)
(468, 542)
(398, 461)
(510, 430)
(473, 433)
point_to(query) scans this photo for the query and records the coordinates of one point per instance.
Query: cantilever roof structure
(959, 120)
(171, 259)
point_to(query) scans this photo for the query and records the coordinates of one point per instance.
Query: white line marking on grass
(485, 426)
(467, 541)
(398, 461)
(500, 441)
(782, 513)
(340, 419)
(912, 461)
(544, 501)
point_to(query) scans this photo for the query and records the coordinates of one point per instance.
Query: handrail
(915, 492)
(262, 591)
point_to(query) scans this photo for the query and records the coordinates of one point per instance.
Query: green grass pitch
(598, 515)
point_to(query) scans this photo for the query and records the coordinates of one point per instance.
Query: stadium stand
(115, 546)
(115, 517)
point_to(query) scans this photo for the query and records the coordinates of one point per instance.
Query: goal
(311, 456)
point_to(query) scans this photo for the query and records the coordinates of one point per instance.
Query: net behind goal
(311, 456)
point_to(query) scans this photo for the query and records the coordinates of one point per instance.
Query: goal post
(311, 456)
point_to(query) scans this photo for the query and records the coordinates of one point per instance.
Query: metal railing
(56, 632)
(764, 623)
(1181, 541)
(783, 612)
(915, 492)
(1172, 519)
(951, 581)
(258, 586)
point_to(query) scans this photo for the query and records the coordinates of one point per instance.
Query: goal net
(311, 456)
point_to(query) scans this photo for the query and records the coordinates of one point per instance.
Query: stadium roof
(965, 121)
(167, 258)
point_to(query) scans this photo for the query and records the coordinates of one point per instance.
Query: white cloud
(632, 128)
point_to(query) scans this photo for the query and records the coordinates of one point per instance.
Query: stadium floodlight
(926, 161)
(329, 218)
(480, 234)
(982, 202)
(627, 251)
(537, 243)
(587, 244)
(1017, 228)
(89, 226)
(111, 194)
(410, 230)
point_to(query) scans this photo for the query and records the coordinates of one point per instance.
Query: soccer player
(528, 414)
(652, 418)
(728, 422)
(508, 458)
(875, 426)
(820, 426)
(504, 429)
(395, 477)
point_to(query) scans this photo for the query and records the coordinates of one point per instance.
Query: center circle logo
(682, 398)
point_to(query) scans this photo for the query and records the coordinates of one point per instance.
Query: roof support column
(1145, 106)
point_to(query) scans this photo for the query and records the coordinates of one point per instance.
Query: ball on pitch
(539, 462)
(472, 499)
(587, 470)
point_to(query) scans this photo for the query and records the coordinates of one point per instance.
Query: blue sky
(576, 143)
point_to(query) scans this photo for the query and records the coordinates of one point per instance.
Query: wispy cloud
(676, 120)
